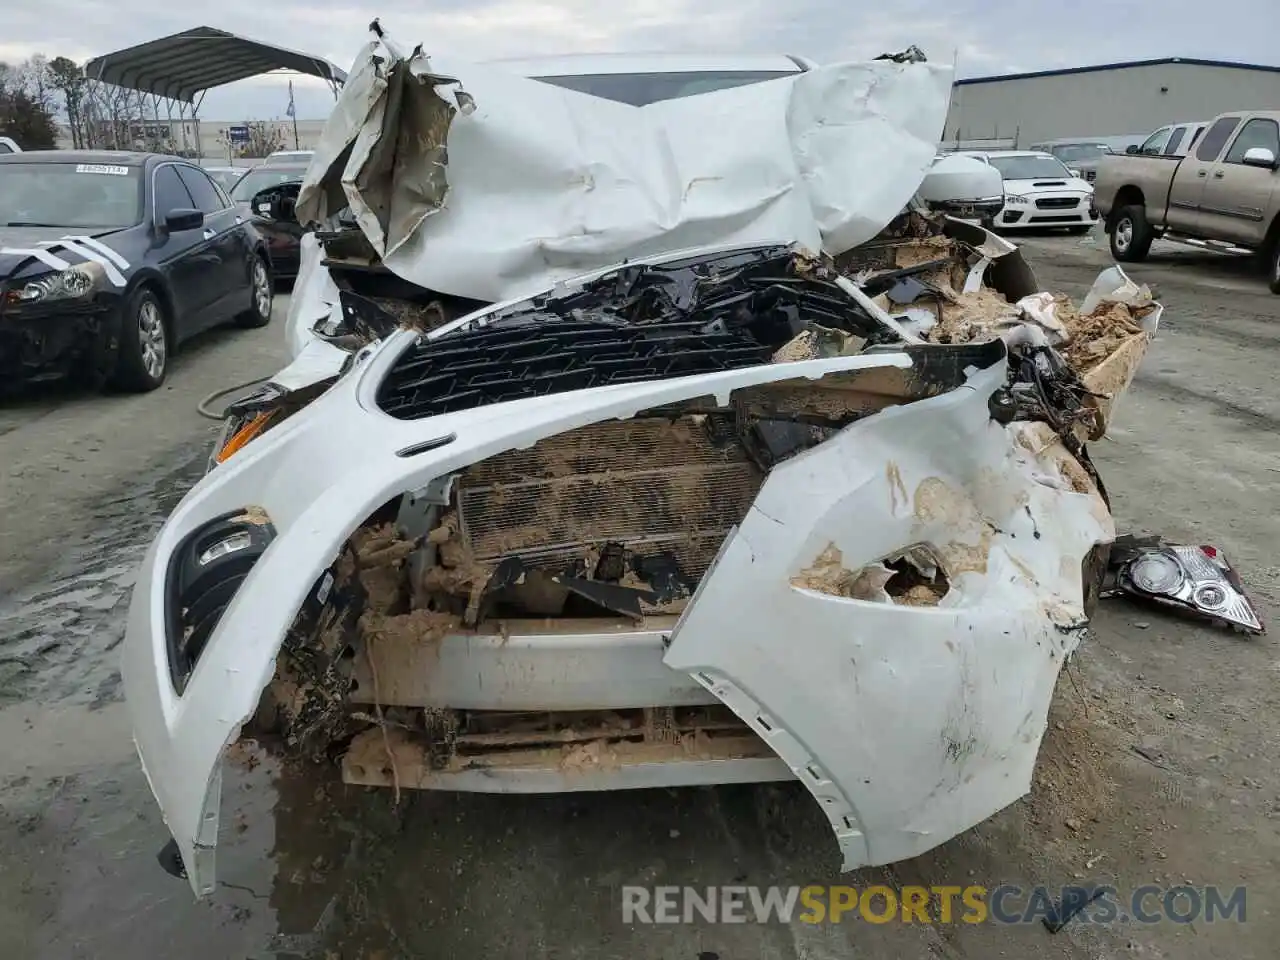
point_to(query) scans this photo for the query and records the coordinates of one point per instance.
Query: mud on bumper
(788, 614)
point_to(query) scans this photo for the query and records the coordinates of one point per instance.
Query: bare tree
(67, 77)
(110, 113)
(39, 82)
(265, 137)
(26, 114)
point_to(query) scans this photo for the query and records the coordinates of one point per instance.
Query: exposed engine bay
(613, 525)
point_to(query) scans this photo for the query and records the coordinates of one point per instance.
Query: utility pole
(293, 113)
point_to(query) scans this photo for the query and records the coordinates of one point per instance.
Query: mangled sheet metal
(544, 183)
(738, 513)
(700, 519)
(1091, 351)
(384, 149)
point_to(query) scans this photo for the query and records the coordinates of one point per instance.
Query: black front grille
(696, 316)
(1070, 219)
(553, 356)
(1057, 203)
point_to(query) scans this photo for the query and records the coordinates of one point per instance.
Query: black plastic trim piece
(195, 596)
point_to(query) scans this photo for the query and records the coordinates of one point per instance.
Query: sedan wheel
(151, 339)
(143, 358)
(261, 290)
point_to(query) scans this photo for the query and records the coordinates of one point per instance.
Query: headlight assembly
(75, 283)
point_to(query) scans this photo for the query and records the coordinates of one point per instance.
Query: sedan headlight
(1015, 199)
(74, 283)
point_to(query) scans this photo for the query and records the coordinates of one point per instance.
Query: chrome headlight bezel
(79, 282)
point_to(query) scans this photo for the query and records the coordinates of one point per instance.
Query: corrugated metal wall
(1118, 102)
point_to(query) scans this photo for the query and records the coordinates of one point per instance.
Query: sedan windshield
(1030, 168)
(88, 196)
(638, 89)
(259, 178)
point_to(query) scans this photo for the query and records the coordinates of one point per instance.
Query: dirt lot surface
(1160, 765)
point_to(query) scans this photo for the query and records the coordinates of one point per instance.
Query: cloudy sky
(985, 36)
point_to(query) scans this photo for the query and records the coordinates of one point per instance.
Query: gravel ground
(310, 868)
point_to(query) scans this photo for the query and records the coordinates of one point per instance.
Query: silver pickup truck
(1224, 194)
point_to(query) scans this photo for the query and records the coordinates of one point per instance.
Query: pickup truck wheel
(1131, 235)
(1273, 273)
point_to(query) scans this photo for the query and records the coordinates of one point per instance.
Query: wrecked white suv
(687, 502)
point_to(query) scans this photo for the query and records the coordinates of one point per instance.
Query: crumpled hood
(496, 186)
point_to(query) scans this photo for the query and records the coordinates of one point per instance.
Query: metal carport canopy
(182, 65)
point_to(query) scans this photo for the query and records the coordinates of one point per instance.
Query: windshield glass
(1029, 168)
(638, 89)
(91, 196)
(259, 178)
(1070, 153)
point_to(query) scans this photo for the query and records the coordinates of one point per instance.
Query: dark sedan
(282, 238)
(109, 260)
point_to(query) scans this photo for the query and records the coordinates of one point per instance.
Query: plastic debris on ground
(1194, 580)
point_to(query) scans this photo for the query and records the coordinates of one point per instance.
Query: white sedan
(1039, 191)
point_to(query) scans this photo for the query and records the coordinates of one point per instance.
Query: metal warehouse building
(1109, 100)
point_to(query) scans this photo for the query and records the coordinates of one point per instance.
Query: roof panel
(183, 64)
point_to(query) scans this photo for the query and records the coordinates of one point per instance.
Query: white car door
(908, 723)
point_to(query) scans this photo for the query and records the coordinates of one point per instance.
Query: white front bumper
(1053, 209)
(869, 703)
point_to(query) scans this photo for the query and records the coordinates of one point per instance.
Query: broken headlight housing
(1197, 579)
(75, 283)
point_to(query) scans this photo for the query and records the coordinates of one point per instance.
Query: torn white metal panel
(322, 195)
(313, 298)
(909, 724)
(547, 183)
(1111, 378)
(318, 360)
